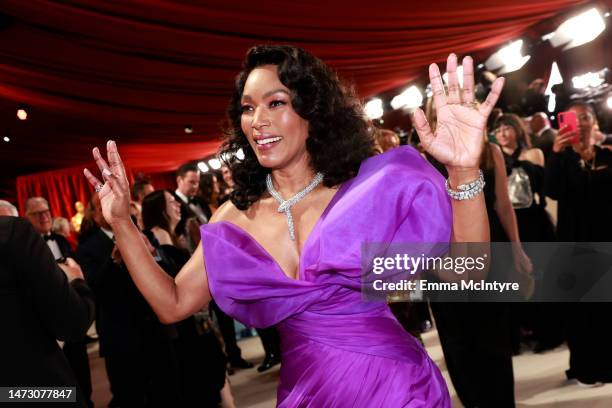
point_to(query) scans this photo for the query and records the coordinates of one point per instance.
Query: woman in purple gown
(298, 265)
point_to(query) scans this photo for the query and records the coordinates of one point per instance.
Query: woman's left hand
(458, 139)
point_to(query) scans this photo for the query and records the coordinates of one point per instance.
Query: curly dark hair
(339, 138)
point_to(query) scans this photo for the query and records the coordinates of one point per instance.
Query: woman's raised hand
(565, 138)
(115, 191)
(458, 138)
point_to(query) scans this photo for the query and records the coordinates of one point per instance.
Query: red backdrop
(64, 187)
(139, 71)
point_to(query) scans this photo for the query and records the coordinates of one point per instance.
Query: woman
(533, 221)
(300, 268)
(162, 213)
(226, 185)
(525, 170)
(477, 338)
(209, 191)
(579, 177)
(200, 359)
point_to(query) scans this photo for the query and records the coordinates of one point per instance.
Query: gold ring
(473, 104)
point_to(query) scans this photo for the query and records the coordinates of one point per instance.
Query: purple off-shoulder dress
(337, 349)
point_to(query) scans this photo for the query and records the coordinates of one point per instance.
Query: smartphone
(570, 120)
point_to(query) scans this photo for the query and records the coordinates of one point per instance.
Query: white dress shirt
(197, 210)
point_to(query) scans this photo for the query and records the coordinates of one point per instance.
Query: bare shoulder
(226, 212)
(245, 219)
(162, 236)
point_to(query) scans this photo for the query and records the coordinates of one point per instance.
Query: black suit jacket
(63, 245)
(123, 319)
(187, 213)
(37, 306)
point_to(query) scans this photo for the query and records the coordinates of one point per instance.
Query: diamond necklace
(285, 205)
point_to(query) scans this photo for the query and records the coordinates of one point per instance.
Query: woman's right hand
(115, 192)
(564, 139)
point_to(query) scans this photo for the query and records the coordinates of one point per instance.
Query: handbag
(519, 188)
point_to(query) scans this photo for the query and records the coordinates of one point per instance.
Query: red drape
(139, 71)
(62, 188)
(165, 180)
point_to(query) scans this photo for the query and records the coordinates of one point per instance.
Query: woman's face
(276, 133)
(586, 122)
(173, 208)
(506, 136)
(226, 173)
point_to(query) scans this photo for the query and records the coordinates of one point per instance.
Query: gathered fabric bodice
(396, 197)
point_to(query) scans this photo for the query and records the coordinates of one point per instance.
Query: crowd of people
(149, 363)
(528, 165)
(153, 360)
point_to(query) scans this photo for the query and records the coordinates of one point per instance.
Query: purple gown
(337, 349)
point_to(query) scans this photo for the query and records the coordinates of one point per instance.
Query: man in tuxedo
(542, 135)
(41, 301)
(193, 208)
(39, 215)
(140, 362)
(37, 211)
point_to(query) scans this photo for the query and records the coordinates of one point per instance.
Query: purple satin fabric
(337, 349)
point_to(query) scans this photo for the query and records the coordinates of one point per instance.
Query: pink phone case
(570, 120)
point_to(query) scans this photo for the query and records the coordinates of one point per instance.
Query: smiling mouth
(268, 140)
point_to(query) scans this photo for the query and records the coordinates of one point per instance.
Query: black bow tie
(48, 237)
(192, 200)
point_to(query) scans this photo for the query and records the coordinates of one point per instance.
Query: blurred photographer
(40, 301)
(39, 215)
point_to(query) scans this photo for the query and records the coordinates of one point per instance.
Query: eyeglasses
(41, 213)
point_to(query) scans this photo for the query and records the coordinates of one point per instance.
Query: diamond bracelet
(467, 191)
